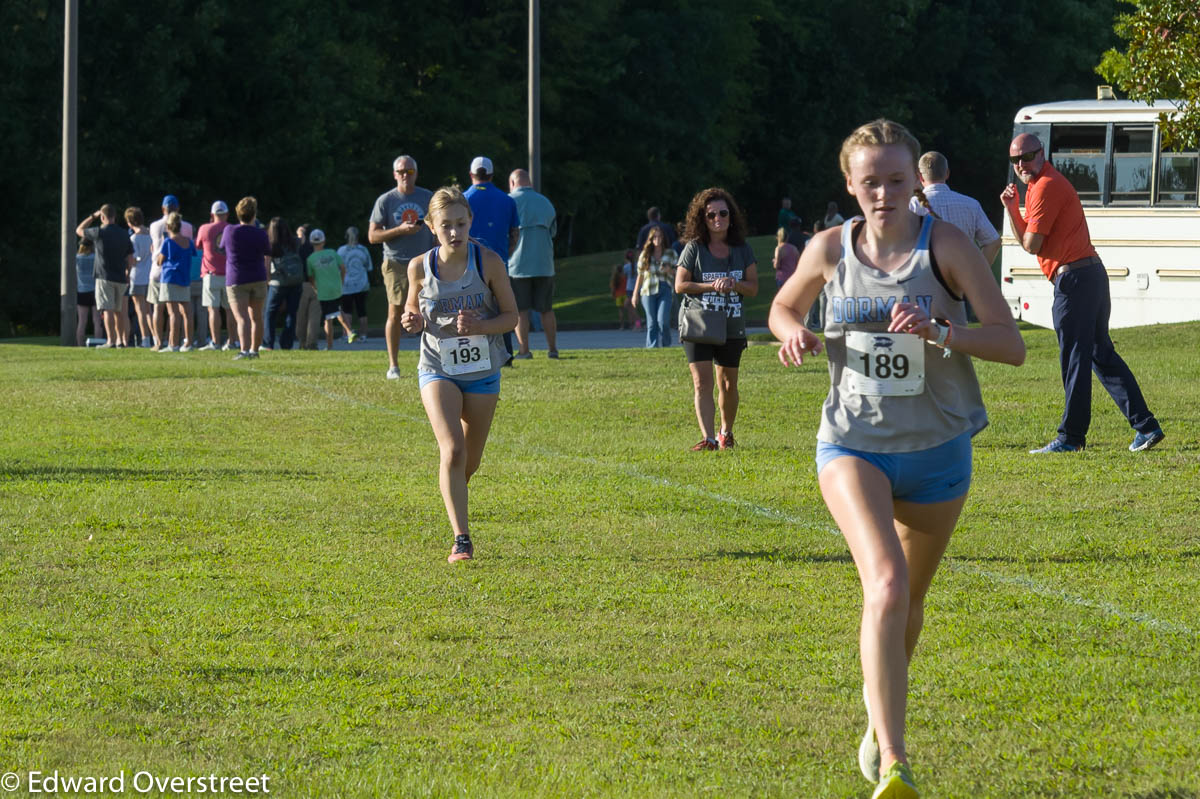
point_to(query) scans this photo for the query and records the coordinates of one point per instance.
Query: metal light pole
(535, 96)
(70, 103)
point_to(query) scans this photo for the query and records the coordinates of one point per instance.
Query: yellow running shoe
(896, 783)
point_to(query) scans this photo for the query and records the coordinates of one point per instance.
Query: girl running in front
(894, 444)
(459, 295)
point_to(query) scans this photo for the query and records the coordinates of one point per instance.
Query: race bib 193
(465, 354)
(884, 364)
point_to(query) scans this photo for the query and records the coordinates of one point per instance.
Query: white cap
(316, 236)
(481, 164)
(219, 207)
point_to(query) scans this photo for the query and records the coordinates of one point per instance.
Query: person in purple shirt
(495, 220)
(247, 253)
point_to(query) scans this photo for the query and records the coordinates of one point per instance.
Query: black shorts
(355, 304)
(534, 292)
(86, 298)
(331, 308)
(728, 354)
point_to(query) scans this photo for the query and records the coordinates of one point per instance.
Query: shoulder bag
(700, 325)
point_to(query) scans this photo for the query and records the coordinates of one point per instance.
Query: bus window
(1078, 152)
(1133, 156)
(1177, 173)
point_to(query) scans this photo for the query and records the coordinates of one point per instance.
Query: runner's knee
(887, 593)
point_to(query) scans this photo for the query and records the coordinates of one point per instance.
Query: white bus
(1142, 209)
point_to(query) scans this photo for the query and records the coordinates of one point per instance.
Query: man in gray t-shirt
(398, 223)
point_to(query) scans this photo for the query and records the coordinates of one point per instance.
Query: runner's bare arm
(968, 275)
(411, 319)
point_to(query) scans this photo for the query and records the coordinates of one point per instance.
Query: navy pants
(287, 300)
(1081, 309)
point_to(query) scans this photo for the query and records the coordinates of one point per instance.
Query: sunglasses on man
(724, 212)
(406, 173)
(1024, 158)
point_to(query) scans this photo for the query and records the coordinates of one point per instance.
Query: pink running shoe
(462, 549)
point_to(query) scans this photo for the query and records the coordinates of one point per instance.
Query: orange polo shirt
(1052, 208)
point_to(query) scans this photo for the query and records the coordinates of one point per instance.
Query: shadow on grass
(785, 555)
(1102, 557)
(149, 371)
(221, 673)
(104, 474)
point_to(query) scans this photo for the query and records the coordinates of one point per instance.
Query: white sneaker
(187, 348)
(868, 750)
(393, 373)
(209, 346)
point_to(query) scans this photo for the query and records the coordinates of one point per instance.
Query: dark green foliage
(304, 105)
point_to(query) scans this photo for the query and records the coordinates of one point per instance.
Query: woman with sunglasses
(718, 266)
(894, 443)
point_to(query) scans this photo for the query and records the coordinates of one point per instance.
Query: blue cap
(170, 201)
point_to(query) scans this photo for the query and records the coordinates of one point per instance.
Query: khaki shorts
(245, 293)
(155, 292)
(172, 293)
(109, 295)
(214, 292)
(395, 280)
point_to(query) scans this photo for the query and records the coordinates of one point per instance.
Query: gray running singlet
(443, 350)
(877, 402)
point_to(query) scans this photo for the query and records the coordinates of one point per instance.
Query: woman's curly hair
(696, 227)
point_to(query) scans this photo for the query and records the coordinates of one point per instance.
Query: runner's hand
(411, 322)
(467, 322)
(797, 344)
(907, 317)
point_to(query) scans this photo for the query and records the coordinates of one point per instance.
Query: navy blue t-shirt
(113, 249)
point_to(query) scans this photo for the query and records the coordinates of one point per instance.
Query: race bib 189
(465, 354)
(884, 364)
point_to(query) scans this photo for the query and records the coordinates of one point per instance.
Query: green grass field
(209, 567)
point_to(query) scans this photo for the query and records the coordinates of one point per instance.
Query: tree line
(304, 105)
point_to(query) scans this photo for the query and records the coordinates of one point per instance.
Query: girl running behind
(460, 297)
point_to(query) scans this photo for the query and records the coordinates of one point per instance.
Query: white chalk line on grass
(1107, 608)
(1027, 583)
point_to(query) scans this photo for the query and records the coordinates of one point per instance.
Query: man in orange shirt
(1055, 230)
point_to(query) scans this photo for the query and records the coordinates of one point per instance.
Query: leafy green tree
(1161, 61)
